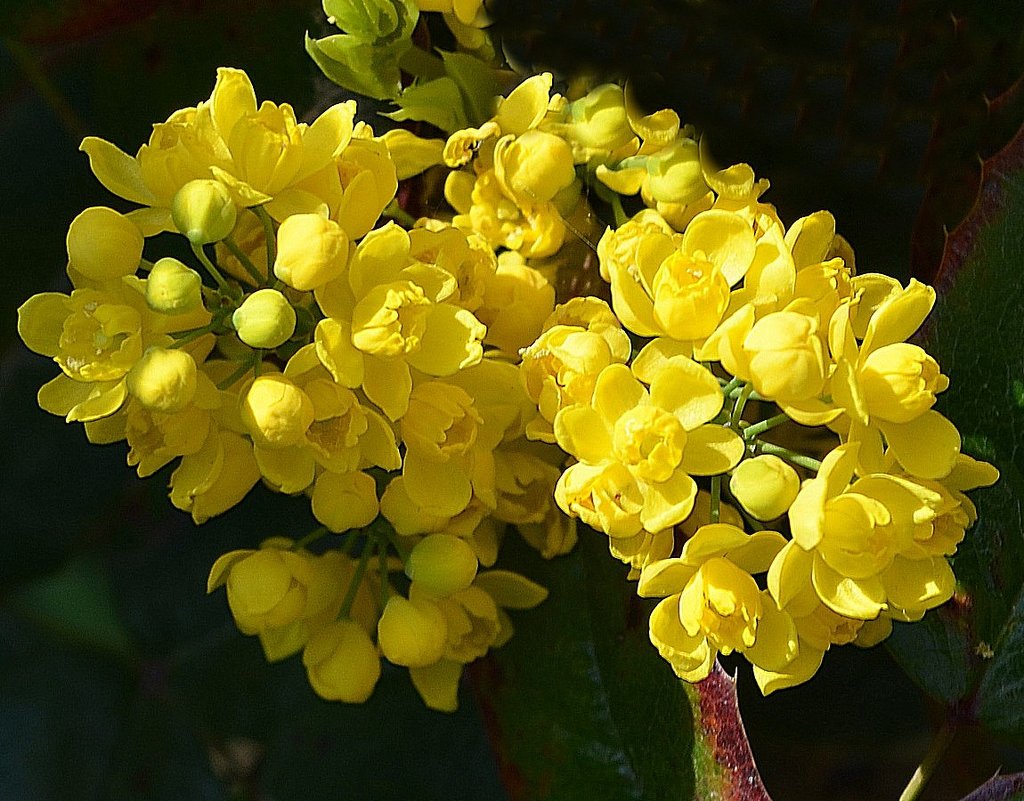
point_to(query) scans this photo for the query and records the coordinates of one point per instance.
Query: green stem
(357, 579)
(752, 396)
(201, 255)
(312, 536)
(741, 402)
(396, 212)
(940, 742)
(765, 425)
(789, 456)
(245, 261)
(729, 386)
(382, 567)
(619, 212)
(716, 499)
(243, 368)
(191, 335)
(268, 232)
(403, 552)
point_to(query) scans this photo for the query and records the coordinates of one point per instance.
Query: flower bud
(204, 211)
(412, 633)
(163, 380)
(276, 412)
(442, 564)
(765, 486)
(311, 251)
(598, 120)
(534, 166)
(342, 663)
(103, 244)
(265, 319)
(173, 288)
(900, 382)
(787, 358)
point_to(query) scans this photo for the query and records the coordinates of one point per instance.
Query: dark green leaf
(77, 603)
(477, 84)
(585, 708)
(934, 651)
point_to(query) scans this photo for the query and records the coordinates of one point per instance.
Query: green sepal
(438, 102)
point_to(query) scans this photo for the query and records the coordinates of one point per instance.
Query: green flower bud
(204, 211)
(265, 319)
(163, 380)
(765, 486)
(442, 564)
(103, 244)
(173, 288)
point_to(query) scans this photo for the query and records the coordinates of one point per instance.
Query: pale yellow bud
(103, 244)
(311, 251)
(204, 211)
(163, 380)
(442, 564)
(173, 288)
(765, 486)
(534, 166)
(265, 319)
(276, 412)
(900, 382)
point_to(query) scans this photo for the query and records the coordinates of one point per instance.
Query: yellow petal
(860, 599)
(927, 446)
(290, 469)
(41, 321)
(663, 578)
(801, 669)
(726, 238)
(510, 590)
(712, 450)
(233, 98)
(669, 502)
(388, 384)
(438, 684)
(581, 431)
(451, 341)
(687, 390)
(616, 392)
(117, 171)
(525, 106)
(776, 643)
(789, 573)
(898, 317)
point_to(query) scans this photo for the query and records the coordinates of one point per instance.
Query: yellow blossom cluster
(326, 352)
(418, 382)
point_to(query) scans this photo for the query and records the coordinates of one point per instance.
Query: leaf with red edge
(977, 334)
(999, 788)
(580, 706)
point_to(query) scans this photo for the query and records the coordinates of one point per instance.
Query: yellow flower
(342, 662)
(886, 387)
(561, 367)
(712, 603)
(276, 412)
(517, 299)
(259, 153)
(311, 250)
(637, 448)
(343, 501)
(441, 564)
(203, 211)
(216, 477)
(173, 288)
(390, 313)
(856, 544)
(163, 380)
(533, 167)
(265, 319)
(679, 292)
(412, 632)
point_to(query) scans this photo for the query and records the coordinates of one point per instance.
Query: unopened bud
(265, 319)
(173, 288)
(765, 486)
(204, 211)
(442, 564)
(163, 380)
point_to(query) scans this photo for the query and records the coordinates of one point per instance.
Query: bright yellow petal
(451, 342)
(438, 684)
(616, 392)
(41, 321)
(669, 502)
(290, 469)
(896, 319)
(860, 599)
(687, 390)
(927, 446)
(789, 574)
(712, 450)
(510, 590)
(663, 578)
(580, 431)
(117, 171)
(388, 384)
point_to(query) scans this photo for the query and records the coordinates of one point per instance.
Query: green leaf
(478, 85)
(374, 21)
(438, 102)
(583, 707)
(360, 67)
(977, 335)
(77, 602)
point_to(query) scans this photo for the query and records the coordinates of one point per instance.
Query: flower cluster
(423, 383)
(327, 354)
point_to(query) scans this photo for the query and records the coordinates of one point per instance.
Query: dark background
(117, 668)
